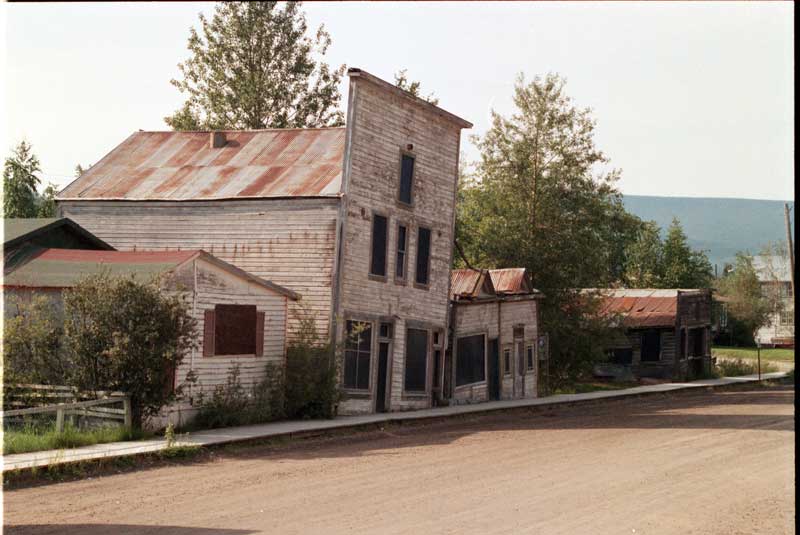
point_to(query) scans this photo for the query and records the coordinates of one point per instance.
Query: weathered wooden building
(667, 332)
(775, 279)
(495, 332)
(242, 317)
(359, 220)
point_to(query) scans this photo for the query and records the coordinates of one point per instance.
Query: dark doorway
(383, 367)
(494, 369)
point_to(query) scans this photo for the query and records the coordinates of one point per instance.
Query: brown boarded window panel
(416, 360)
(423, 255)
(235, 329)
(402, 242)
(259, 334)
(651, 346)
(406, 178)
(470, 360)
(378, 263)
(208, 333)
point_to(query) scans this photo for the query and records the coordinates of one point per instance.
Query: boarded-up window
(423, 255)
(358, 350)
(402, 246)
(406, 178)
(235, 329)
(378, 262)
(651, 346)
(416, 360)
(470, 360)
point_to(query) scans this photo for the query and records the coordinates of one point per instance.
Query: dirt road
(697, 463)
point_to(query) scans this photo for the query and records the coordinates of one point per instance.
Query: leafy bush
(232, 404)
(33, 343)
(312, 370)
(126, 335)
(735, 368)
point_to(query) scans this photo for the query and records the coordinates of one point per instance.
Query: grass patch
(738, 367)
(594, 386)
(41, 438)
(751, 353)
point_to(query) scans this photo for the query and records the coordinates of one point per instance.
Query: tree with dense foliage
(539, 199)
(655, 263)
(401, 80)
(684, 267)
(747, 306)
(126, 335)
(33, 343)
(253, 66)
(20, 182)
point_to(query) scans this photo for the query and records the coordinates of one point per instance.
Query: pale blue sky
(690, 99)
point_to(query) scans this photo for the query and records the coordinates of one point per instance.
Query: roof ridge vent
(217, 140)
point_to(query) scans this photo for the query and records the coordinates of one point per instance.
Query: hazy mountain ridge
(721, 227)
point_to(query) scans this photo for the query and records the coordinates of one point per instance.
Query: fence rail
(92, 408)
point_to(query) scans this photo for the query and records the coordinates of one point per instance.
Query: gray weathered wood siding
(382, 124)
(482, 318)
(289, 242)
(215, 286)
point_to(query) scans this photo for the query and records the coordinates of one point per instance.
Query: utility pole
(789, 244)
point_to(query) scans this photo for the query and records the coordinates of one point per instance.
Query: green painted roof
(14, 228)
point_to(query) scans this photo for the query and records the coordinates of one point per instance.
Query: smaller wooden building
(494, 333)
(241, 318)
(667, 331)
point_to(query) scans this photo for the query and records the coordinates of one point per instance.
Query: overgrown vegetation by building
(115, 334)
(738, 367)
(32, 437)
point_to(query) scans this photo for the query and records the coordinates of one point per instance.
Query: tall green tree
(747, 305)
(20, 182)
(539, 199)
(401, 80)
(252, 65)
(644, 258)
(684, 267)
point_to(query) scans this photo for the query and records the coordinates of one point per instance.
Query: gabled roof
(470, 283)
(510, 281)
(184, 166)
(20, 230)
(772, 268)
(64, 268)
(491, 283)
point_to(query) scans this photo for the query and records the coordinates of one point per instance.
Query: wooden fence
(64, 401)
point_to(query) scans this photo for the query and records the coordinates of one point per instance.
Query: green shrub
(33, 437)
(738, 367)
(232, 404)
(312, 370)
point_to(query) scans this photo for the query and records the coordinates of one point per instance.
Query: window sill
(357, 394)
(405, 205)
(415, 395)
(419, 286)
(467, 386)
(377, 278)
(237, 355)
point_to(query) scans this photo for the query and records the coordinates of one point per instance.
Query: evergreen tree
(253, 66)
(20, 182)
(682, 266)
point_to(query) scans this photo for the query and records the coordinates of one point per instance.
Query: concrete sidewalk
(236, 434)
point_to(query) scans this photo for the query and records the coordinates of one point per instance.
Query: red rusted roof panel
(642, 308)
(510, 280)
(464, 282)
(183, 166)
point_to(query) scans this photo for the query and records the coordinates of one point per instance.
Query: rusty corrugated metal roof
(183, 166)
(466, 282)
(510, 281)
(642, 307)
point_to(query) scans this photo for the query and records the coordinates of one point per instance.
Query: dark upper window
(530, 357)
(506, 361)
(423, 255)
(470, 360)
(235, 329)
(406, 178)
(378, 257)
(357, 353)
(385, 330)
(519, 331)
(402, 247)
(416, 360)
(651, 346)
